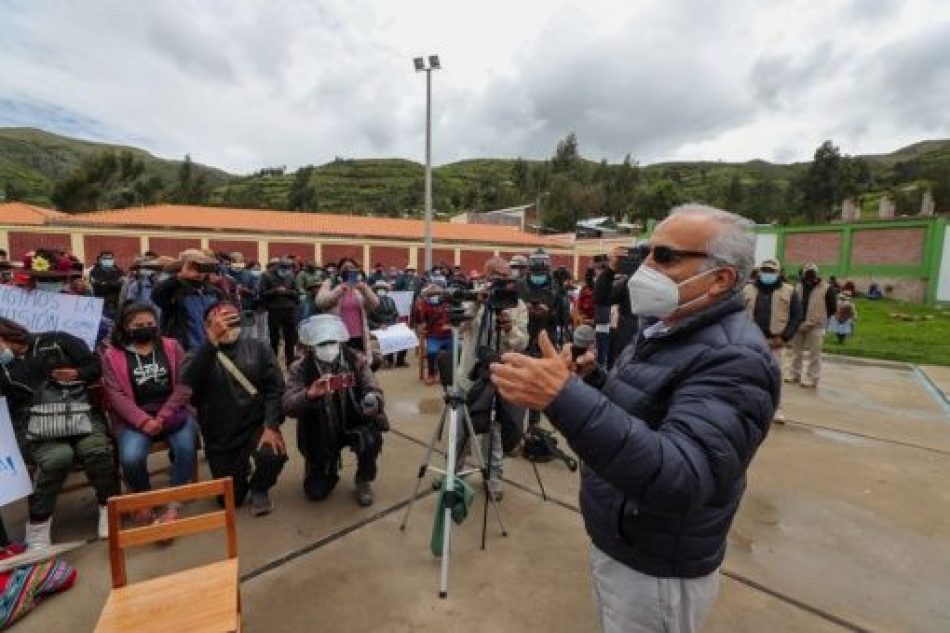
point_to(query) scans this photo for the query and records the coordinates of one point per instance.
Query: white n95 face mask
(653, 294)
(327, 352)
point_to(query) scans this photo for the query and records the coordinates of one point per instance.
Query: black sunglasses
(664, 255)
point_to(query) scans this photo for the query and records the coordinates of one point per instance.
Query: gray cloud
(244, 84)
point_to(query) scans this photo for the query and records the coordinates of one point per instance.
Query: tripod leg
(477, 451)
(537, 475)
(423, 468)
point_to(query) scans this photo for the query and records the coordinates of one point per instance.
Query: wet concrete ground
(845, 527)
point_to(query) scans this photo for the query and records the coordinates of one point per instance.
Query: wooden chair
(205, 598)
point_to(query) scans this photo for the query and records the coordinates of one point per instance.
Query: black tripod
(453, 410)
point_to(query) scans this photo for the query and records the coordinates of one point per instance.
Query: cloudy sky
(245, 84)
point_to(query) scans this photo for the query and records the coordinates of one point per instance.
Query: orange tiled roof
(263, 221)
(22, 213)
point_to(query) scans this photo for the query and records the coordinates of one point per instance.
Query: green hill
(33, 162)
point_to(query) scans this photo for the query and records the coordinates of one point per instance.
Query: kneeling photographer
(333, 394)
(499, 324)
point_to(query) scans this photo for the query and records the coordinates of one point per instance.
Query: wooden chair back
(121, 540)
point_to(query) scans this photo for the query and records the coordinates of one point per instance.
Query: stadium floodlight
(420, 66)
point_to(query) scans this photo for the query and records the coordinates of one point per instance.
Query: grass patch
(923, 338)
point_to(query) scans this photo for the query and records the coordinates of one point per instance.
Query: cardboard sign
(40, 311)
(395, 338)
(14, 480)
(403, 301)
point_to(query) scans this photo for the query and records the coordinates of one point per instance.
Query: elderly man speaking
(666, 436)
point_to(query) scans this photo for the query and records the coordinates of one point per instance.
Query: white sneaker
(779, 417)
(37, 534)
(103, 522)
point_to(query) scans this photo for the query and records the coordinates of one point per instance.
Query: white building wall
(943, 281)
(766, 247)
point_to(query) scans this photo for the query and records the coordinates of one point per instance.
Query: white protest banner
(395, 338)
(40, 311)
(14, 480)
(403, 300)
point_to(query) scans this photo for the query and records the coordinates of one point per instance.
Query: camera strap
(236, 373)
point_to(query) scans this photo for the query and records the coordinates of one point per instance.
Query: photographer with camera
(333, 394)
(185, 296)
(499, 324)
(548, 308)
(610, 289)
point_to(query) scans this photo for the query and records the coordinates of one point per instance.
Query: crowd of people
(666, 402)
(189, 353)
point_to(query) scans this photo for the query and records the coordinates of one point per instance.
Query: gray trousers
(631, 602)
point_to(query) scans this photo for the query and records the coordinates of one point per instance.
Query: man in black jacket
(237, 388)
(106, 278)
(279, 295)
(666, 437)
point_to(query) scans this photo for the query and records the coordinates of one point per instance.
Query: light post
(422, 66)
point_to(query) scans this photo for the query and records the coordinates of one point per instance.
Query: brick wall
(171, 246)
(887, 247)
(820, 247)
(397, 256)
(302, 250)
(474, 260)
(562, 260)
(125, 248)
(583, 262)
(441, 256)
(244, 247)
(335, 252)
(21, 242)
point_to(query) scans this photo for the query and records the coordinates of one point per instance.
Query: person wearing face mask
(435, 329)
(237, 388)
(385, 315)
(148, 402)
(775, 308)
(347, 296)
(819, 303)
(106, 278)
(40, 376)
(332, 393)
(140, 282)
(184, 296)
(666, 436)
(308, 282)
(519, 268)
(279, 295)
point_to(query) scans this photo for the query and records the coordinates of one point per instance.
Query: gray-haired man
(667, 435)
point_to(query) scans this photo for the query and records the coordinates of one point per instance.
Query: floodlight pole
(428, 194)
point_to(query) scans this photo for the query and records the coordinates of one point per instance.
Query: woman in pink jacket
(147, 403)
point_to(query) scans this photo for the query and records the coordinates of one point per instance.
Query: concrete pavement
(845, 527)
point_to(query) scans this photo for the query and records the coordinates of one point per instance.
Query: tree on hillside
(566, 157)
(830, 179)
(12, 193)
(106, 181)
(191, 188)
(521, 175)
(303, 194)
(656, 199)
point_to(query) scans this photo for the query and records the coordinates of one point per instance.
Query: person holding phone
(185, 295)
(348, 297)
(237, 388)
(332, 393)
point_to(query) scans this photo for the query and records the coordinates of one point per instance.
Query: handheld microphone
(584, 339)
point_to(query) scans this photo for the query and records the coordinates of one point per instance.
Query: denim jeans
(134, 447)
(434, 345)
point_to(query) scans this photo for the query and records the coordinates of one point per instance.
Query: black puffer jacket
(667, 437)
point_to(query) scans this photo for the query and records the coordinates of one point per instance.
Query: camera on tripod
(501, 294)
